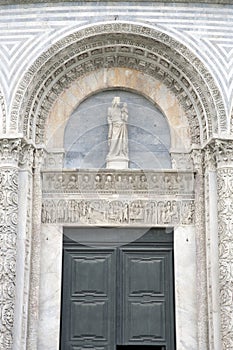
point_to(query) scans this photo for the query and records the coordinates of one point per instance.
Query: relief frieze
(112, 182)
(118, 197)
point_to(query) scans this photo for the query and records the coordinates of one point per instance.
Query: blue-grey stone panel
(86, 133)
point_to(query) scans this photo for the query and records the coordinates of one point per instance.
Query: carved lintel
(118, 212)
(106, 182)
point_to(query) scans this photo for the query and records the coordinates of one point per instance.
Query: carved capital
(38, 160)
(210, 157)
(224, 153)
(26, 156)
(9, 151)
(197, 156)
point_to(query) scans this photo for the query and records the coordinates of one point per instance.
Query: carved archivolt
(119, 45)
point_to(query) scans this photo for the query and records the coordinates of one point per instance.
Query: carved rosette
(224, 152)
(9, 153)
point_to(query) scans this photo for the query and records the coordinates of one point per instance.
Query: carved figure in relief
(98, 182)
(85, 182)
(59, 182)
(118, 133)
(119, 183)
(136, 211)
(72, 182)
(174, 212)
(188, 213)
(125, 216)
(108, 183)
(166, 213)
(143, 185)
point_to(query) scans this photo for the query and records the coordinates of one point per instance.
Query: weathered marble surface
(185, 287)
(50, 288)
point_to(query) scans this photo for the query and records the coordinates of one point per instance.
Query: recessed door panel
(88, 313)
(145, 322)
(145, 295)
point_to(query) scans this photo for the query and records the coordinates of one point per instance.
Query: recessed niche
(86, 133)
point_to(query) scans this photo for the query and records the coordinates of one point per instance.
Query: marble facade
(49, 67)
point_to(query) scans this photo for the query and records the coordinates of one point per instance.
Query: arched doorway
(137, 58)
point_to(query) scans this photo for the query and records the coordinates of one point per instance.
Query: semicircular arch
(118, 78)
(122, 45)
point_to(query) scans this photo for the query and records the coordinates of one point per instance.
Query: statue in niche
(117, 157)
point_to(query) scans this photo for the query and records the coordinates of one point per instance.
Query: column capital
(197, 156)
(9, 151)
(223, 150)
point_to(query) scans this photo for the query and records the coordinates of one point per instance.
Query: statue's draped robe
(118, 135)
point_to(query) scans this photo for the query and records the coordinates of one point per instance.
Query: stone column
(9, 156)
(211, 224)
(202, 313)
(33, 317)
(224, 153)
(23, 246)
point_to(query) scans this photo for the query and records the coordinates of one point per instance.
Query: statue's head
(116, 101)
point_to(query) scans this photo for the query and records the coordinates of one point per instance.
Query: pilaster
(33, 317)
(198, 163)
(211, 230)
(9, 157)
(224, 156)
(23, 245)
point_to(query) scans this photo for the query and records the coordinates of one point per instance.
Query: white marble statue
(117, 135)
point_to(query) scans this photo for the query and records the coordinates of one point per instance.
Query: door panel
(88, 314)
(118, 296)
(145, 296)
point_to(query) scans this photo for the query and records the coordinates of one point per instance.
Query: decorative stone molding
(8, 234)
(224, 157)
(182, 161)
(118, 212)
(210, 157)
(53, 160)
(224, 153)
(14, 2)
(109, 182)
(119, 45)
(26, 156)
(225, 221)
(35, 252)
(102, 197)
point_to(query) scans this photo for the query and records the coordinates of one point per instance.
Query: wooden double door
(118, 297)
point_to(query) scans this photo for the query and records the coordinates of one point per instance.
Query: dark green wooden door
(121, 296)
